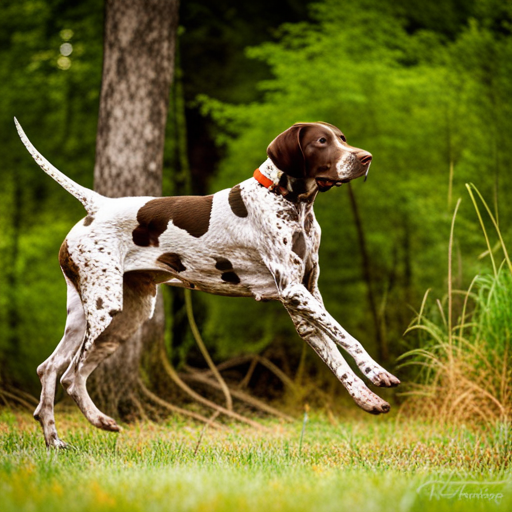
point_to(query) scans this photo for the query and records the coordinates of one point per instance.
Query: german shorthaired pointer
(258, 239)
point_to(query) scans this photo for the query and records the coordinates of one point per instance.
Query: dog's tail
(90, 199)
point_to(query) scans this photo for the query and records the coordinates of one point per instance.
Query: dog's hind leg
(139, 297)
(54, 366)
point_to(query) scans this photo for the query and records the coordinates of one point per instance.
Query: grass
(376, 463)
(467, 376)
(466, 371)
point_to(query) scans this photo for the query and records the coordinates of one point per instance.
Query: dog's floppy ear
(286, 153)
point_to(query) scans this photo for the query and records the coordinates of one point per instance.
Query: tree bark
(138, 66)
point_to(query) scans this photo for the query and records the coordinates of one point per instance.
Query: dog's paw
(106, 423)
(369, 401)
(379, 377)
(56, 443)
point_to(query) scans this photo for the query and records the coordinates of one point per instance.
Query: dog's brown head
(318, 151)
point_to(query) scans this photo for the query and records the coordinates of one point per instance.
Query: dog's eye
(322, 140)
(343, 138)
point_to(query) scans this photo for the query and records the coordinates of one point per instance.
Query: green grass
(375, 463)
(465, 345)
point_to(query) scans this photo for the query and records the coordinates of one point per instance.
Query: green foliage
(494, 320)
(435, 113)
(56, 100)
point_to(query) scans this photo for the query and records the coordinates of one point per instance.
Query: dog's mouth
(325, 184)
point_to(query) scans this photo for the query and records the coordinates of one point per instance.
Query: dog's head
(318, 151)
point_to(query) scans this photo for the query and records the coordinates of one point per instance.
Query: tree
(137, 73)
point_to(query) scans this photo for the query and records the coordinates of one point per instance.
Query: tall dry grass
(465, 361)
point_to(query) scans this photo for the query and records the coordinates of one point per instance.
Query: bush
(465, 369)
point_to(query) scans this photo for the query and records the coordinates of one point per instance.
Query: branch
(6, 394)
(240, 395)
(171, 372)
(174, 408)
(204, 351)
(269, 365)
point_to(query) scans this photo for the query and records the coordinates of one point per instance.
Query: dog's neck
(295, 190)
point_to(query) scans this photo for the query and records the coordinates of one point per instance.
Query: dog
(258, 239)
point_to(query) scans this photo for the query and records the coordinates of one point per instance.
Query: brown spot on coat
(173, 261)
(299, 244)
(141, 283)
(236, 202)
(308, 280)
(99, 303)
(223, 264)
(88, 220)
(190, 213)
(308, 223)
(68, 266)
(281, 280)
(230, 277)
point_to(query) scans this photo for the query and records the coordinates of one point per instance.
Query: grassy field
(371, 463)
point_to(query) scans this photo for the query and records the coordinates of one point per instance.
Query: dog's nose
(364, 157)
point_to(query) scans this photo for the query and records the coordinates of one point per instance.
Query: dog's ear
(286, 153)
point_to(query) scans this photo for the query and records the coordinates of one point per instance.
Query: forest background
(425, 87)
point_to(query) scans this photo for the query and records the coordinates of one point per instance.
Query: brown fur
(236, 202)
(223, 264)
(230, 277)
(299, 244)
(191, 213)
(299, 154)
(68, 266)
(141, 283)
(173, 261)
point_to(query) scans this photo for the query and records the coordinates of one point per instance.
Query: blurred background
(426, 87)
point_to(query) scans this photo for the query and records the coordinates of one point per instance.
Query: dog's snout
(364, 157)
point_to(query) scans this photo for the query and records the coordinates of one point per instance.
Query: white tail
(90, 199)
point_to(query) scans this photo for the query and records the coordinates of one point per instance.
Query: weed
(465, 370)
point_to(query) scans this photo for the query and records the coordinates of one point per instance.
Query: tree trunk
(382, 348)
(138, 68)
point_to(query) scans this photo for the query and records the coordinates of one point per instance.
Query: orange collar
(263, 180)
(269, 184)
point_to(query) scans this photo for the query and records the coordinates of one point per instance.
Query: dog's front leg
(297, 298)
(373, 371)
(330, 355)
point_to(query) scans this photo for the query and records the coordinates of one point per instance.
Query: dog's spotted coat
(258, 239)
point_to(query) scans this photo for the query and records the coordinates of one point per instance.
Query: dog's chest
(301, 234)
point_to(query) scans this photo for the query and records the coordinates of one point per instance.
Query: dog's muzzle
(325, 184)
